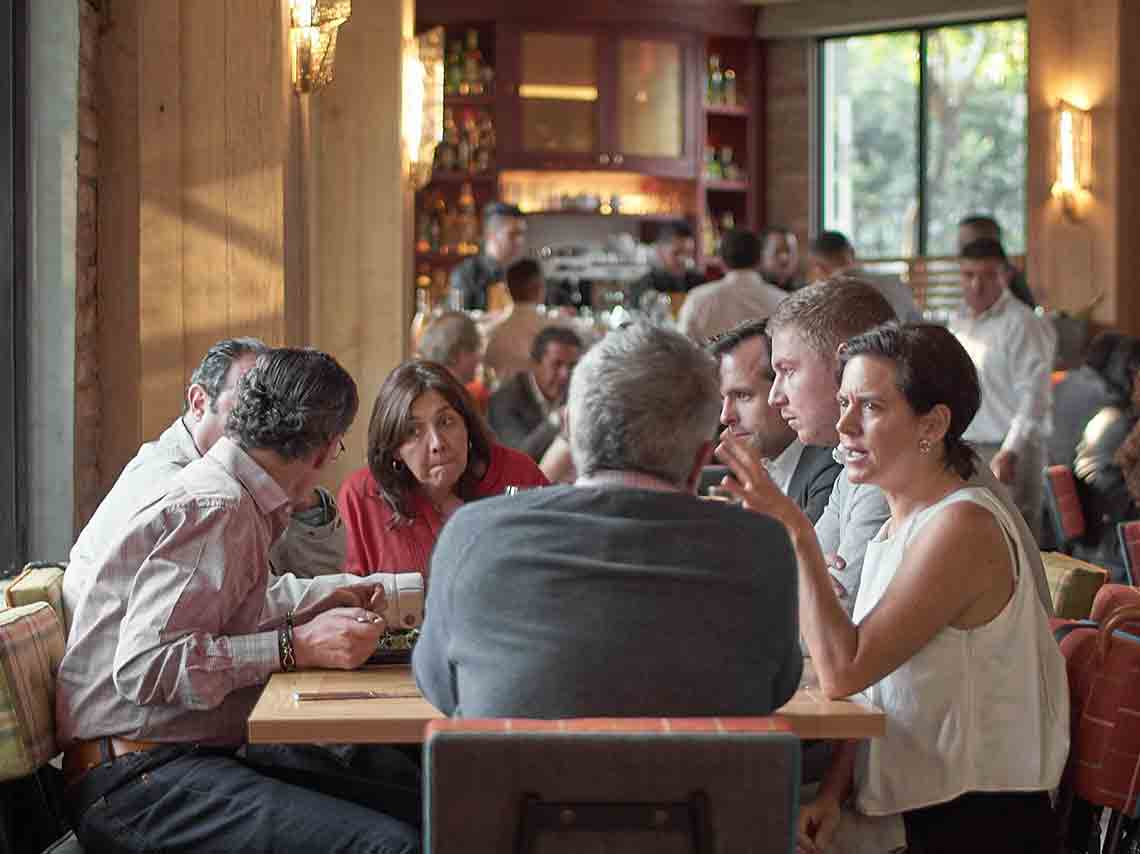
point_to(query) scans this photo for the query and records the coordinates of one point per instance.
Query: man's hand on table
(369, 597)
(341, 638)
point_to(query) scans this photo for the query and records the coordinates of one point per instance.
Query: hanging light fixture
(313, 40)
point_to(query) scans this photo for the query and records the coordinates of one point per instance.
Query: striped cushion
(39, 582)
(31, 646)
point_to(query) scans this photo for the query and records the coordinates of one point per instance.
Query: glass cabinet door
(558, 93)
(650, 98)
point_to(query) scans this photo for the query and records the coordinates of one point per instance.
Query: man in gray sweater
(623, 594)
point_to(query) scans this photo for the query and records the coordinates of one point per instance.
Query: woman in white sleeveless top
(948, 636)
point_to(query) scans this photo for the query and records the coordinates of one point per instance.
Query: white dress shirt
(783, 467)
(718, 306)
(1013, 351)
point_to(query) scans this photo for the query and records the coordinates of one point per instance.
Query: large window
(921, 128)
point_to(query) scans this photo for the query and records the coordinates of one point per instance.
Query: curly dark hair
(931, 367)
(292, 401)
(390, 423)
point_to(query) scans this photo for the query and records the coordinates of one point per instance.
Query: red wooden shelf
(468, 100)
(440, 259)
(460, 177)
(727, 186)
(725, 110)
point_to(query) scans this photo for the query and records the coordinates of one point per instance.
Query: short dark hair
(981, 221)
(984, 248)
(739, 249)
(719, 346)
(672, 230)
(215, 366)
(502, 209)
(769, 230)
(931, 368)
(291, 402)
(829, 244)
(520, 278)
(389, 424)
(550, 335)
(448, 336)
(828, 313)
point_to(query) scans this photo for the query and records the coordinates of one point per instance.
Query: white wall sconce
(421, 120)
(1073, 168)
(312, 40)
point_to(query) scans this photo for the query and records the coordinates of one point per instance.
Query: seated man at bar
(623, 593)
(1013, 350)
(806, 474)
(452, 339)
(717, 306)
(176, 624)
(504, 240)
(313, 543)
(674, 252)
(806, 332)
(780, 258)
(833, 255)
(526, 412)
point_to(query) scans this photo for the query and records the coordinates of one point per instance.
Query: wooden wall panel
(205, 297)
(120, 363)
(192, 199)
(255, 148)
(361, 210)
(160, 214)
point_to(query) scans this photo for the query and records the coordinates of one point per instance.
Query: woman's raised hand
(751, 484)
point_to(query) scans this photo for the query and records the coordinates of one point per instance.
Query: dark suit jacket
(516, 417)
(811, 482)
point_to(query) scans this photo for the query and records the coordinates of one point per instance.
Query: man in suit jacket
(806, 474)
(526, 411)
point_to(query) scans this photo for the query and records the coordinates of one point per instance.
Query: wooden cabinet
(584, 98)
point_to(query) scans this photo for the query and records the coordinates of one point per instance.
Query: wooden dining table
(397, 713)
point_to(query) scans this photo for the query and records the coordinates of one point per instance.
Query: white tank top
(978, 710)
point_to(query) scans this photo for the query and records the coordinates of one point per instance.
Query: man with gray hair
(313, 543)
(622, 594)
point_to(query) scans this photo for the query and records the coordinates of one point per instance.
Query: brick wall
(87, 395)
(787, 140)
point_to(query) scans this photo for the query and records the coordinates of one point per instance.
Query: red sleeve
(353, 510)
(510, 467)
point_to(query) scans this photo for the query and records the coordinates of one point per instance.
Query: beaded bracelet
(285, 647)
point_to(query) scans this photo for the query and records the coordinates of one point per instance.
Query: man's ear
(704, 454)
(198, 401)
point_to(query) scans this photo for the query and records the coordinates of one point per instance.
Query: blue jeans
(189, 799)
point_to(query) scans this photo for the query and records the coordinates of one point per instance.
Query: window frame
(14, 150)
(922, 142)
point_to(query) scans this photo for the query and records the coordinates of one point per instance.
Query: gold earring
(924, 446)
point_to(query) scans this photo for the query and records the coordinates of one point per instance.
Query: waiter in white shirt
(1013, 350)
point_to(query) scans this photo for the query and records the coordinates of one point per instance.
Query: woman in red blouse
(429, 451)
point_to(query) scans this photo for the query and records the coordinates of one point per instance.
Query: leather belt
(82, 756)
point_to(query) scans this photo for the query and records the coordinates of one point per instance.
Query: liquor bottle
(715, 81)
(445, 152)
(437, 230)
(467, 222)
(729, 94)
(708, 235)
(473, 65)
(453, 68)
(423, 306)
(485, 154)
(712, 166)
(463, 150)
